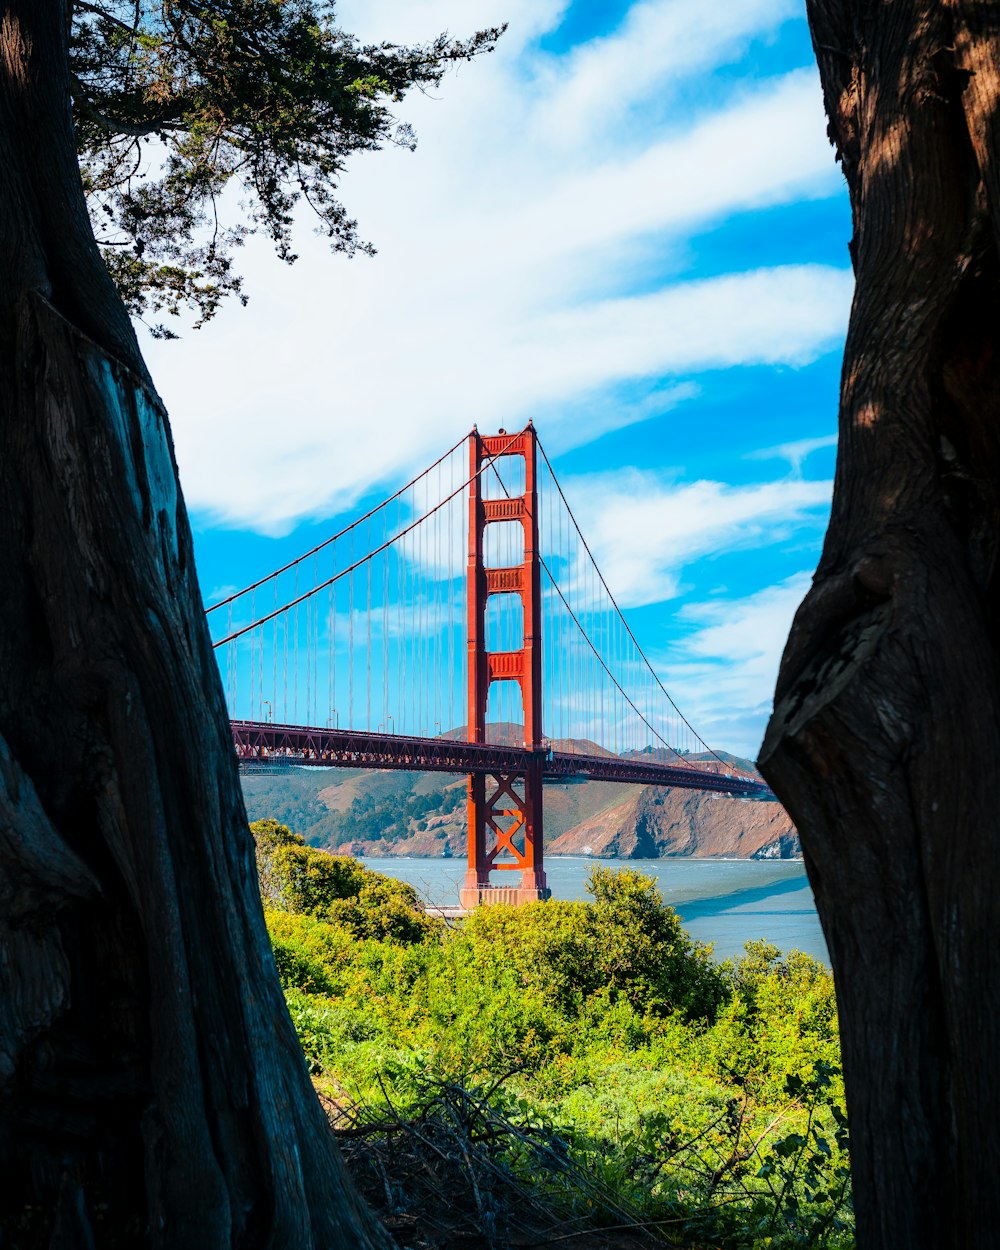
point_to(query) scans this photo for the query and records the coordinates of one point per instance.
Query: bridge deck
(265, 744)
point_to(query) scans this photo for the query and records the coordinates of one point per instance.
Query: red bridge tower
(505, 811)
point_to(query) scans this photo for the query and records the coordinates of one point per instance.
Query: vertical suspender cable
(385, 630)
(295, 654)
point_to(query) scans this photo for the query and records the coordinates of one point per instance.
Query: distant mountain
(356, 812)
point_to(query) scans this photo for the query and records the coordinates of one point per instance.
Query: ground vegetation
(564, 1067)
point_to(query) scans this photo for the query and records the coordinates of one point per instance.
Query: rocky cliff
(658, 822)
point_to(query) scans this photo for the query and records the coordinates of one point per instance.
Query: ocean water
(727, 902)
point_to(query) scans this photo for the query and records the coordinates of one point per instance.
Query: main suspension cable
(370, 555)
(340, 534)
(645, 659)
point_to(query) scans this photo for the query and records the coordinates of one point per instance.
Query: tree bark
(885, 739)
(152, 1090)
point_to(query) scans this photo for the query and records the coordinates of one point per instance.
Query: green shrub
(781, 1018)
(703, 1096)
(643, 950)
(311, 956)
(384, 909)
(300, 879)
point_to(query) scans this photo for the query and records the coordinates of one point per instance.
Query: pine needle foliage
(200, 122)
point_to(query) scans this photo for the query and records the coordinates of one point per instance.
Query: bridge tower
(505, 809)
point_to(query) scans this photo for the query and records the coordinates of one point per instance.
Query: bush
(628, 944)
(643, 950)
(384, 909)
(300, 879)
(702, 1097)
(781, 1019)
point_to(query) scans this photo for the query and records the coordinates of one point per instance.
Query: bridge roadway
(263, 743)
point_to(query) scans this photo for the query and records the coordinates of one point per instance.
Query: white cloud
(759, 150)
(335, 421)
(643, 530)
(723, 674)
(504, 258)
(416, 21)
(783, 315)
(795, 452)
(657, 45)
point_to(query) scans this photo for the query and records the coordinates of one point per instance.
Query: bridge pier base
(511, 895)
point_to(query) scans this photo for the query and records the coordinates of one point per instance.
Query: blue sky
(626, 224)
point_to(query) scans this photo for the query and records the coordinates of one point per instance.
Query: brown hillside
(404, 813)
(658, 822)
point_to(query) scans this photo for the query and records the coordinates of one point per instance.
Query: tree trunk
(885, 739)
(152, 1090)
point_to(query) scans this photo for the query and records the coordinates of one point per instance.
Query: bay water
(727, 902)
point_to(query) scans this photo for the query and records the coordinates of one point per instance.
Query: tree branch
(108, 17)
(115, 125)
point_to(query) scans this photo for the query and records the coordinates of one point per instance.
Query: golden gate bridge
(463, 626)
